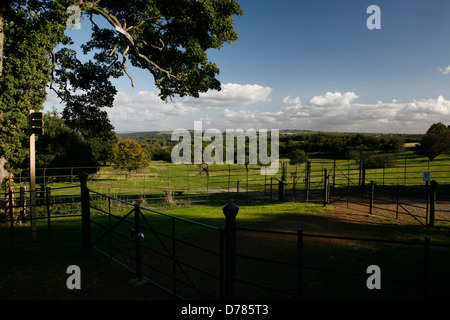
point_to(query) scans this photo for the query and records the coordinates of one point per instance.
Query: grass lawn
(38, 270)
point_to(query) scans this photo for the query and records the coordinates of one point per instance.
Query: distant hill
(144, 135)
(165, 135)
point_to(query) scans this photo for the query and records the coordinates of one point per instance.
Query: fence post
(300, 262)
(372, 195)
(137, 239)
(432, 202)
(427, 193)
(22, 204)
(230, 210)
(271, 186)
(426, 264)
(363, 176)
(85, 212)
(307, 179)
(47, 202)
(222, 263)
(10, 208)
(325, 187)
(333, 186)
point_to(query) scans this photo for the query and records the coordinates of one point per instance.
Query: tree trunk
(1, 45)
(3, 172)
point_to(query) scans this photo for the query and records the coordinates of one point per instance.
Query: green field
(202, 201)
(198, 183)
(396, 260)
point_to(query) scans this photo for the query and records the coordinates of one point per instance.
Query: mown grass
(152, 180)
(403, 261)
(147, 184)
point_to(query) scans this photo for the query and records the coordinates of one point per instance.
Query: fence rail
(220, 262)
(195, 184)
(50, 205)
(215, 264)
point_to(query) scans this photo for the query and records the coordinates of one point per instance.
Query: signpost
(36, 126)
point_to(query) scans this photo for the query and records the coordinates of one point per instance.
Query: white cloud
(52, 98)
(144, 110)
(446, 70)
(231, 95)
(430, 109)
(333, 99)
(290, 100)
(227, 109)
(339, 112)
(141, 99)
(178, 109)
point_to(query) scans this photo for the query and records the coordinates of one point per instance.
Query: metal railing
(194, 260)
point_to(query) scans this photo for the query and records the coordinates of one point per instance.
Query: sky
(309, 65)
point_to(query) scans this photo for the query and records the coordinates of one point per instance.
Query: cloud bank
(240, 106)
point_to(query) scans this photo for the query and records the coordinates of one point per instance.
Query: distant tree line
(376, 151)
(67, 144)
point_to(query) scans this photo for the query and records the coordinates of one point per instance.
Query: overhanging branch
(123, 30)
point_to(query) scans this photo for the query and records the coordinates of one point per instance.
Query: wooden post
(36, 126)
(32, 182)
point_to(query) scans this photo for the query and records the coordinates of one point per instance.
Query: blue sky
(311, 65)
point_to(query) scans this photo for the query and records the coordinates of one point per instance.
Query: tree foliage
(31, 29)
(130, 154)
(297, 156)
(86, 90)
(169, 38)
(62, 146)
(435, 141)
(340, 144)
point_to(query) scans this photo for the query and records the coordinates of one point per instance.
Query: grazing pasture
(288, 244)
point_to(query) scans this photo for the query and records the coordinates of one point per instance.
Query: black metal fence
(162, 184)
(200, 261)
(304, 272)
(51, 204)
(427, 204)
(222, 262)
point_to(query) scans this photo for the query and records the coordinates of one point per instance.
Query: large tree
(130, 154)
(29, 32)
(86, 90)
(62, 147)
(435, 141)
(169, 38)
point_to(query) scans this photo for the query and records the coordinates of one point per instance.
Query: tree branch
(125, 67)
(112, 19)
